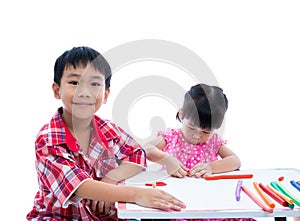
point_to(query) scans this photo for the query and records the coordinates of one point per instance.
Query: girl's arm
(154, 153)
(229, 162)
(147, 197)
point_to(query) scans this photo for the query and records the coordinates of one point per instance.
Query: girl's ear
(106, 93)
(55, 89)
(180, 114)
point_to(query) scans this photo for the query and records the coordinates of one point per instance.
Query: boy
(80, 157)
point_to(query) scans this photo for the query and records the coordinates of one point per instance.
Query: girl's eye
(206, 132)
(191, 128)
(74, 82)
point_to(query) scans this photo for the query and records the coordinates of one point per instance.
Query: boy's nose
(83, 92)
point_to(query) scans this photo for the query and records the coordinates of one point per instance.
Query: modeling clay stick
(287, 193)
(229, 176)
(281, 195)
(155, 184)
(263, 195)
(272, 184)
(238, 190)
(295, 184)
(273, 195)
(277, 191)
(161, 184)
(291, 205)
(256, 200)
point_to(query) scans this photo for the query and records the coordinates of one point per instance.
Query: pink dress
(191, 154)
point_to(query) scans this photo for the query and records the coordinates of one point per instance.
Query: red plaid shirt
(62, 166)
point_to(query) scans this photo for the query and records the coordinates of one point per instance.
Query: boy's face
(82, 91)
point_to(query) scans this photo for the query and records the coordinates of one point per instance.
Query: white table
(211, 199)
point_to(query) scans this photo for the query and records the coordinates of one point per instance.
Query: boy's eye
(96, 84)
(74, 82)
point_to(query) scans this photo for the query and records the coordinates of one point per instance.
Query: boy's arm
(147, 197)
(126, 170)
(101, 191)
(229, 162)
(122, 172)
(130, 155)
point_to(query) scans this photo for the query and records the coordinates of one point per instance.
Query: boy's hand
(200, 170)
(158, 199)
(101, 206)
(175, 167)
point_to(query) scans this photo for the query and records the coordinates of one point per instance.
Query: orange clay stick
(273, 195)
(263, 195)
(281, 195)
(256, 200)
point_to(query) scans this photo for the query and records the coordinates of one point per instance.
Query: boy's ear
(106, 93)
(55, 89)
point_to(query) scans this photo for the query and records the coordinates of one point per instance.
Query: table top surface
(212, 198)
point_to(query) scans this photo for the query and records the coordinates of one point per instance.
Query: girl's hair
(204, 106)
(80, 57)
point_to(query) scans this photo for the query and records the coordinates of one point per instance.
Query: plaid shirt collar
(58, 132)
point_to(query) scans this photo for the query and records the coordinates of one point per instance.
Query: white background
(252, 47)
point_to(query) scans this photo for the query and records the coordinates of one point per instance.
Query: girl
(196, 150)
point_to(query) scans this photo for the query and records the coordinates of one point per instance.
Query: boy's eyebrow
(70, 75)
(97, 77)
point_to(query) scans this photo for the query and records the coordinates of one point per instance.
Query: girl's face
(193, 134)
(82, 91)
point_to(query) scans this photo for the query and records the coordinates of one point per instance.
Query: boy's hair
(204, 106)
(80, 57)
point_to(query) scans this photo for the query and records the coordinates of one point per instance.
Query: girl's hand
(159, 199)
(200, 170)
(175, 167)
